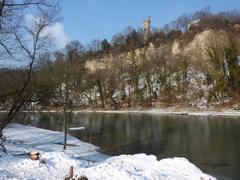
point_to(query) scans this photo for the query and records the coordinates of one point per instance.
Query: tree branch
(6, 49)
(27, 4)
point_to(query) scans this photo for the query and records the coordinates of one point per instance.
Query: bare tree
(28, 35)
(95, 45)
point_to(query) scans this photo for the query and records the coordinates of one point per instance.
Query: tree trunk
(122, 90)
(65, 130)
(66, 102)
(100, 89)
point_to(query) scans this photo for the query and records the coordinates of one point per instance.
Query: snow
(76, 128)
(141, 166)
(173, 111)
(41, 140)
(85, 159)
(170, 111)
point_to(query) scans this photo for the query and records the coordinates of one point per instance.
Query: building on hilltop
(147, 28)
(194, 24)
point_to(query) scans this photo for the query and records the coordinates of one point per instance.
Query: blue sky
(85, 20)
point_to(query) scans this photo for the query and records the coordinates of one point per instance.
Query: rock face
(195, 51)
(237, 27)
(176, 48)
(203, 46)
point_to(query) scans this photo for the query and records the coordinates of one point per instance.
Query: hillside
(194, 72)
(193, 64)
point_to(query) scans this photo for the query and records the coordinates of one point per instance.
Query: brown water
(212, 143)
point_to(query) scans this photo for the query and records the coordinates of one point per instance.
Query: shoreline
(228, 113)
(182, 113)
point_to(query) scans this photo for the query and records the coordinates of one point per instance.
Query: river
(210, 142)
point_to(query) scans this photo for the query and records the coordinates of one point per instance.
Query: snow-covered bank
(41, 140)
(167, 112)
(21, 139)
(196, 113)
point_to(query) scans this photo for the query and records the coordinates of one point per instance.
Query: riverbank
(157, 111)
(170, 111)
(175, 112)
(84, 157)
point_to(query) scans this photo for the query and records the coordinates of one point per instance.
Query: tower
(147, 28)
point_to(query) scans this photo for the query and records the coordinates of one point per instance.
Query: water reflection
(212, 143)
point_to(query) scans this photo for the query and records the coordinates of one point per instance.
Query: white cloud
(56, 31)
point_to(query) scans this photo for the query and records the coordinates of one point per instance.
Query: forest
(180, 64)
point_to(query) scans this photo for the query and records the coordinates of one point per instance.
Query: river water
(210, 142)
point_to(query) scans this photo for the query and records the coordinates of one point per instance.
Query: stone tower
(146, 28)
